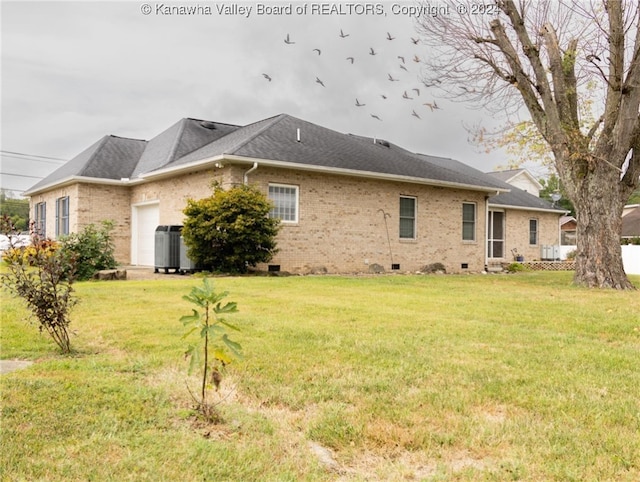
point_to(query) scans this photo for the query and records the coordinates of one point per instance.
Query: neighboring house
(568, 231)
(631, 221)
(520, 178)
(345, 201)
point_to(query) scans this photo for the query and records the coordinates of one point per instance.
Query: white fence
(630, 257)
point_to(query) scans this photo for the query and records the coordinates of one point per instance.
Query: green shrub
(230, 230)
(92, 249)
(517, 267)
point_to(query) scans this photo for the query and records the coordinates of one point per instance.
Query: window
(285, 202)
(41, 219)
(62, 216)
(407, 217)
(468, 221)
(533, 231)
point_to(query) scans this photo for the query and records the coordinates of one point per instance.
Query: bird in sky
(432, 105)
(403, 67)
(358, 104)
(392, 79)
(389, 37)
(320, 82)
(351, 59)
(383, 96)
(317, 50)
(375, 117)
(414, 114)
(401, 58)
(266, 76)
(415, 40)
(343, 35)
(371, 51)
(416, 59)
(417, 91)
(406, 96)
(287, 40)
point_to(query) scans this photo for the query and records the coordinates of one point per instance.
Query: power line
(20, 175)
(32, 157)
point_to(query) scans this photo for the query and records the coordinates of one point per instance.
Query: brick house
(346, 202)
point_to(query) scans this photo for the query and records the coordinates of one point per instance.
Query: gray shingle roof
(180, 139)
(276, 139)
(111, 157)
(631, 223)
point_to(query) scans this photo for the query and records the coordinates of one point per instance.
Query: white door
(144, 221)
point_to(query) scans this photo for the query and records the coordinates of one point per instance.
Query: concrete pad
(8, 366)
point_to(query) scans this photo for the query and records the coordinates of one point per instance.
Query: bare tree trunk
(599, 226)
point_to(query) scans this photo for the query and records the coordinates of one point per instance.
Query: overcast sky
(73, 72)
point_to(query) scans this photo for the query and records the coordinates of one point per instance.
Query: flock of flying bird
(410, 94)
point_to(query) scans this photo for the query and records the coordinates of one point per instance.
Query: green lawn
(514, 377)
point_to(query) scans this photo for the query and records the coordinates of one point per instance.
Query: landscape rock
(376, 268)
(110, 274)
(434, 268)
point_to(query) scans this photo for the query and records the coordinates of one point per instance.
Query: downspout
(246, 174)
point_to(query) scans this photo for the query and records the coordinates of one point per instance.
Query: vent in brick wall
(464, 266)
(274, 268)
(395, 266)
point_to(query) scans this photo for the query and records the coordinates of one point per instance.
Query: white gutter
(211, 161)
(358, 173)
(82, 179)
(529, 208)
(246, 174)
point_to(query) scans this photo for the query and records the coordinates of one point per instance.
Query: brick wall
(341, 226)
(91, 204)
(517, 233)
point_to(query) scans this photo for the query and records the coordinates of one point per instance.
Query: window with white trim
(285, 200)
(62, 216)
(533, 231)
(407, 217)
(41, 219)
(468, 221)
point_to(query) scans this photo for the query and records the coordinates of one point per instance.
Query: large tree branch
(616, 67)
(521, 80)
(562, 73)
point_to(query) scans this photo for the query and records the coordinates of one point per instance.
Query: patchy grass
(519, 377)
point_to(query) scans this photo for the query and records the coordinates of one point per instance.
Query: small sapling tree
(214, 349)
(42, 275)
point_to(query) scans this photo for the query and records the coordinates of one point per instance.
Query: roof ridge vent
(208, 125)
